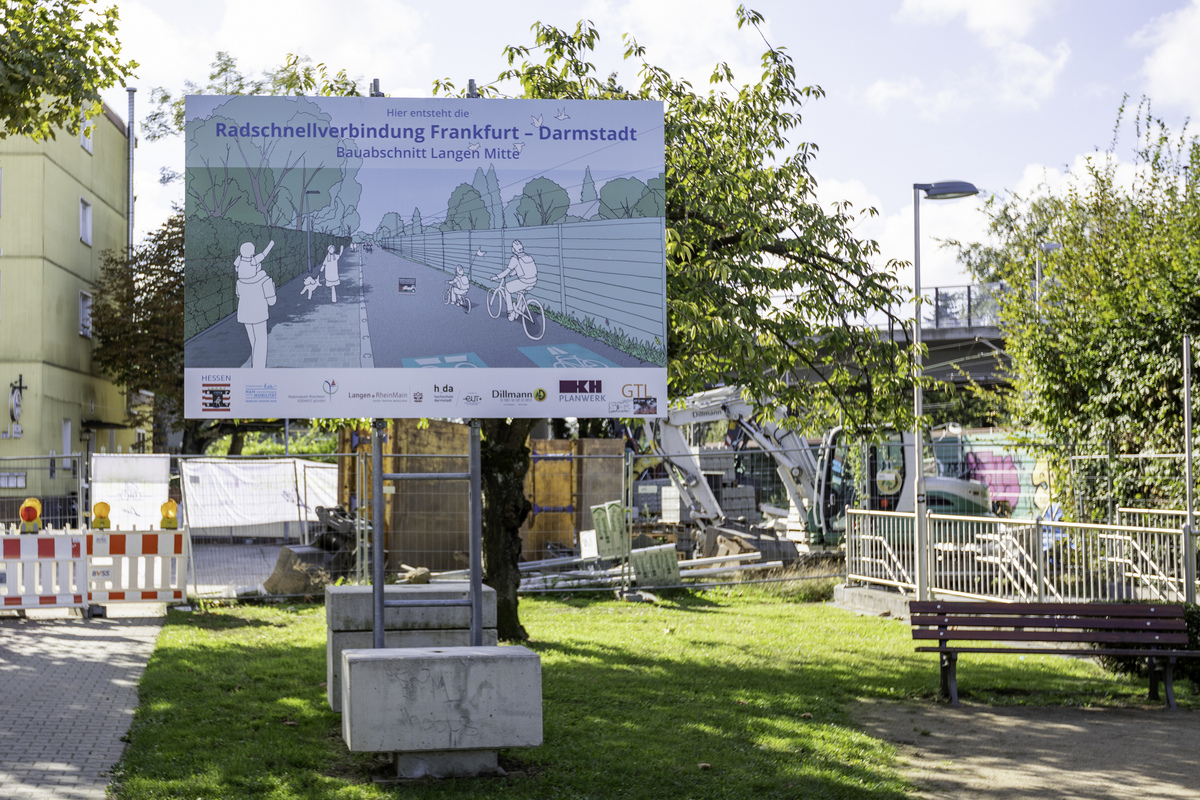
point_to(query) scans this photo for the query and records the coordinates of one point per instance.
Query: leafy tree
(543, 202)
(743, 226)
(465, 210)
(1097, 353)
(653, 202)
(56, 56)
(137, 313)
(619, 197)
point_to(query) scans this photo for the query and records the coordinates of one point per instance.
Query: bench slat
(1002, 635)
(1075, 609)
(1055, 622)
(1063, 651)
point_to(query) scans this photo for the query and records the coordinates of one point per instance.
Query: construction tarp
(220, 492)
(134, 486)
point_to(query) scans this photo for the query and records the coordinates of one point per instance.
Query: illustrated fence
(991, 558)
(609, 272)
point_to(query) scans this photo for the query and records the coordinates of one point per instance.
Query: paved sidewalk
(68, 689)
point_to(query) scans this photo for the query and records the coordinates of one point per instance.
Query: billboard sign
(385, 257)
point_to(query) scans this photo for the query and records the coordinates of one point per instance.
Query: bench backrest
(1127, 623)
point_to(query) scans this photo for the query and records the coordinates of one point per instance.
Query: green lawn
(635, 698)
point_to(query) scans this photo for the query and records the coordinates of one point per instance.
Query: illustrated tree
(743, 226)
(56, 56)
(619, 197)
(1097, 348)
(542, 202)
(466, 210)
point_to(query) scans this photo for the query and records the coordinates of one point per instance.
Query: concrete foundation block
(448, 764)
(351, 608)
(432, 699)
(338, 641)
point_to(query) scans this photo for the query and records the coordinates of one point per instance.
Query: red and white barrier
(137, 566)
(43, 570)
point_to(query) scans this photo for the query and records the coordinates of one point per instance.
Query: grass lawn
(636, 697)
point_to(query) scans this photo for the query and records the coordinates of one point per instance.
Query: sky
(1006, 94)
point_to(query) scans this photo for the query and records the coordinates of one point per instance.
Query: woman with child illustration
(330, 268)
(256, 294)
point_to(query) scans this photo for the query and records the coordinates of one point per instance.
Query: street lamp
(945, 190)
(308, 213)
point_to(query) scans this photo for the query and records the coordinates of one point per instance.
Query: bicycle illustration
(448, 298)
(533, 318)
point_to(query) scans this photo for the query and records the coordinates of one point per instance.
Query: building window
(85, 314)
(85, 222)
(85, 135)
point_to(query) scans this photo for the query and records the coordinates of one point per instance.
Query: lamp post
(308, 213)
(945, 190)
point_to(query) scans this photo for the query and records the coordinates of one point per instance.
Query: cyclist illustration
(457, 293)
(512, 297)
(522, 266)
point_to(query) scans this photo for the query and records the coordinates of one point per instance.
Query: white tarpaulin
(134, 486)
(221, 492)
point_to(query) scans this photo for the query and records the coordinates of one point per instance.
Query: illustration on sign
(347, 241)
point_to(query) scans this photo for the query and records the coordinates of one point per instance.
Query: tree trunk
(504, 458)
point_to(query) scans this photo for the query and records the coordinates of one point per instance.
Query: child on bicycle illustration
(458, 289)
(522, 266)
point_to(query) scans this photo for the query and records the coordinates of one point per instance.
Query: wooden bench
(1153, 631)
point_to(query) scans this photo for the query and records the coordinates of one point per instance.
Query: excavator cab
(835, 485)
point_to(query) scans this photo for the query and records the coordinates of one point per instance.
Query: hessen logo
(214, 397)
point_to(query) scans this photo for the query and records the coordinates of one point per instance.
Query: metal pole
(131, 141)
(287, 436)
(476, 537)
(1189, 555)
(377, 554)
(919, 522)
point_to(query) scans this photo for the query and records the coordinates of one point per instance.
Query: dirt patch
(986, 753)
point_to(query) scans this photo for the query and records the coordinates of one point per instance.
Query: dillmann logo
(580, 387)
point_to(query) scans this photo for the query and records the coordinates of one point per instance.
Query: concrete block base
(461, 699)
(448, 764)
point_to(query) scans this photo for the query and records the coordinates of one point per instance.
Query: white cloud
(995, 22)
(1018, 75)
(1171, 67)
(689, 50)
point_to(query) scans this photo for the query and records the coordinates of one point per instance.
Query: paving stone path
(68, 690)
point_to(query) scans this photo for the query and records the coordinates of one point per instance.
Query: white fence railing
(993, 558)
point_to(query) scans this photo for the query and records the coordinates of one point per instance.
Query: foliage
(136, 314)
(304, 442)
(1097, 353)
(466, 210)
(744, 228)
(542, 202)
(56, 56)
(634, 697)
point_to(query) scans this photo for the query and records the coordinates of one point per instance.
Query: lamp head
(946, 190)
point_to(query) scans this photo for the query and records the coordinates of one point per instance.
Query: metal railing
(992, 558)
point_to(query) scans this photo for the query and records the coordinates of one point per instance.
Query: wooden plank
(1135, 637)
(1077, 609)
(1142, 652)
(1055, 623)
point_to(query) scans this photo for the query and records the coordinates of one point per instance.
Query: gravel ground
(985, 753)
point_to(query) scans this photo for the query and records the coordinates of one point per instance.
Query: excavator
(820, 485)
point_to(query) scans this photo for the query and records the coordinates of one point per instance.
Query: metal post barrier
(473, 476)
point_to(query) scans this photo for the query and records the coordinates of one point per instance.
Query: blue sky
(1002, 93)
